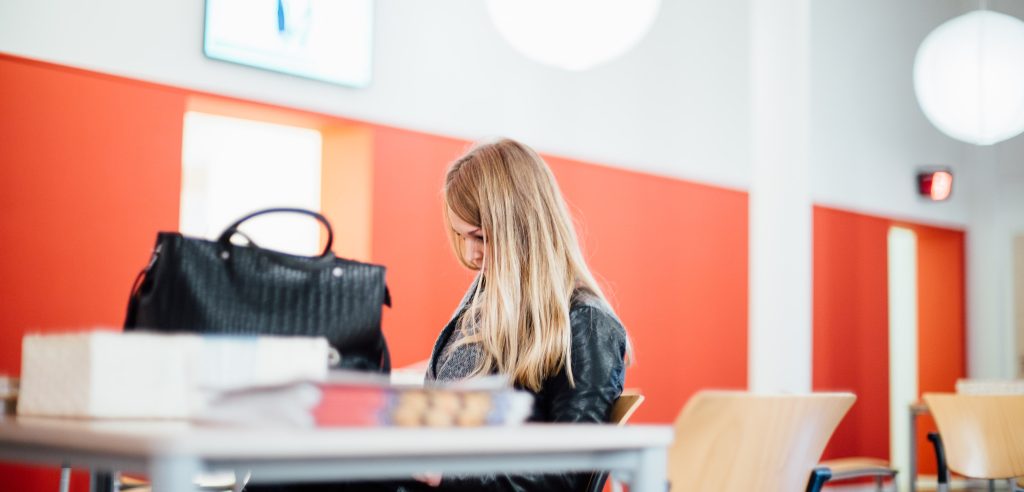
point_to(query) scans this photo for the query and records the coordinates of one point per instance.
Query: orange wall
(672, 256)
(409, 238)
(941, 316)
(90, 171)
(941, 322)
(851, 326)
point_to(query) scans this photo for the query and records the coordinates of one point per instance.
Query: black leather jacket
(598, 368)
(598, 351)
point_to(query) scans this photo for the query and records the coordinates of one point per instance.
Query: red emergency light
(935, 185)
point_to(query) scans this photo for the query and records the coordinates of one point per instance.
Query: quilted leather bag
(219, 287)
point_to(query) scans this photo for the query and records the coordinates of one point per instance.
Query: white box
(146, 375)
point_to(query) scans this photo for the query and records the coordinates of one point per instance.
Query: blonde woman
(534, 313)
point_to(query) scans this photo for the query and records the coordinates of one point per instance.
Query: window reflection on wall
(233, 166)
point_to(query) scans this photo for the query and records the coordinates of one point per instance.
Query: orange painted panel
(672, 256)
(90, 172)
(941, 322)
(851, 323)
(22, 478)
(347, 188)
(426, 280)
(851, 326)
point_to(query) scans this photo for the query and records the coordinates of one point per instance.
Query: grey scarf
(456, 363)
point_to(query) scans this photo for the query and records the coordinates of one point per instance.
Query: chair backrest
(624, 406)
(983, 434)
(737, 441)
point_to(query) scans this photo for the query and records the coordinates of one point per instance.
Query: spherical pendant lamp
(969, 77)
(572, 34)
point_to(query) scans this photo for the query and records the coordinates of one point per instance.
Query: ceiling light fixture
(573, 34)
(969, 77)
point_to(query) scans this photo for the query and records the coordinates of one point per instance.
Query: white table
(172, 453)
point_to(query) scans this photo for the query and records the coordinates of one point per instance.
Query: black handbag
(218, 287)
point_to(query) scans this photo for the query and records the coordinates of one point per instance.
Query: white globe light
(969, 77)
(573, 34)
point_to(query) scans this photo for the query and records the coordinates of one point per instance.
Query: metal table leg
(912, 473)
(174, 474)
(652, 472)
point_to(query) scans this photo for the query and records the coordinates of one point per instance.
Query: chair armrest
(857, 467)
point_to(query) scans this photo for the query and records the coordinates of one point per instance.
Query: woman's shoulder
(589, 315)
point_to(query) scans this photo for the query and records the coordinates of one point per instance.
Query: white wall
(996, 192)
(868, 133)
(676, 105)
(1010, 176)
(996, 185)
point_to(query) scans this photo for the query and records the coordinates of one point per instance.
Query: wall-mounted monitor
(328, 40)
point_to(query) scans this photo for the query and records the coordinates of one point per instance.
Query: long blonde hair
(532, 266)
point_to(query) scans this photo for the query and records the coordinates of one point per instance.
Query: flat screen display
(328, 40)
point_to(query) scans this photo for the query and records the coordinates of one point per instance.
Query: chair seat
(129, 482)
(857, 467)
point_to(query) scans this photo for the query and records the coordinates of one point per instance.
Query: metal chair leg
(940, 461)
(240, 481)
(102, 481)
(65, 478)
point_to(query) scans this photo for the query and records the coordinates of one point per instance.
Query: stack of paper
(368, 400)
(290, 405)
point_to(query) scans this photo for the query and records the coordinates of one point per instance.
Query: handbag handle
(225, 237)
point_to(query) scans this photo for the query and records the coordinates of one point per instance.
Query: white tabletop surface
(181, 438)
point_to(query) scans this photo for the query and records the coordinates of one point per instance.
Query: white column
(780, 203)
(989, 259)
(903, 347)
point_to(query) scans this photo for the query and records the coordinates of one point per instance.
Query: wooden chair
(982, 435)
(730, 441)
(623, 408)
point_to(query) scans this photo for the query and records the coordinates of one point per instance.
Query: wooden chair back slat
(983, 435)
(624, 406)
(730, 441)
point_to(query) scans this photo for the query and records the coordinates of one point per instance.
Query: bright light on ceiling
(573, 34)
(969, 77)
